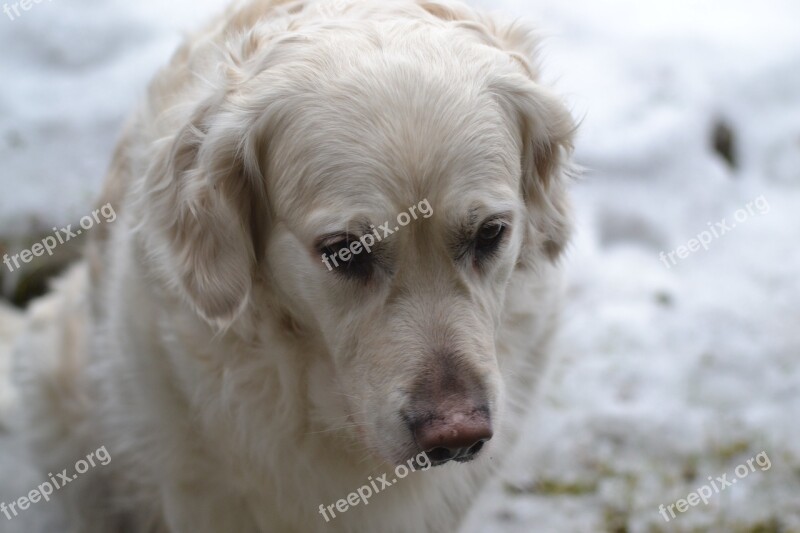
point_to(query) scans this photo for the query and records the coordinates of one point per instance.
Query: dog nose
(457, 436)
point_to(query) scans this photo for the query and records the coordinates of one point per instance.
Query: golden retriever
(241, 382)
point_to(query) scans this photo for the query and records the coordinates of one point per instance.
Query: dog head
(377, 185)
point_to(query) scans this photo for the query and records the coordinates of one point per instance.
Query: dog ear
(545, 124)
(546, 132)
(207, 197)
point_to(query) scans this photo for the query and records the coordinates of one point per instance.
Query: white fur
(235, 382)
(10, 323)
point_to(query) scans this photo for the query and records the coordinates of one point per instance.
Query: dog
(237, 382)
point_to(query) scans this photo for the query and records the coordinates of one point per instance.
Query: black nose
(441, 455)
(455, 436)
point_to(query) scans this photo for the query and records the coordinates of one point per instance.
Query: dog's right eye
(340, 255)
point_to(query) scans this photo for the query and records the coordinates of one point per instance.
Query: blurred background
(677, 361)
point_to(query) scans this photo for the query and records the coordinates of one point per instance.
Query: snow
(72, 71)
(663, 376)
(666, 376)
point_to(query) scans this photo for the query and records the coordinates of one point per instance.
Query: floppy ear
(207, 197)
(546, 133)
(546, 127)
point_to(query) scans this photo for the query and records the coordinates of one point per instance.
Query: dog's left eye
(488, 238)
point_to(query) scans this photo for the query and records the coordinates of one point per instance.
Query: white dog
(238, 383)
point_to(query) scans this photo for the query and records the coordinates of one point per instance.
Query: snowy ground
(666, 376)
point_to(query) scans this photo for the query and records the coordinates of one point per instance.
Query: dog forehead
(380, 122)
(389, 150)
(354, 181)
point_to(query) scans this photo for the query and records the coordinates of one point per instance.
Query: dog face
(384, 195)
(431, 192)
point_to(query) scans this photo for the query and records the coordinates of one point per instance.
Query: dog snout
(449, 415)
(453, 434)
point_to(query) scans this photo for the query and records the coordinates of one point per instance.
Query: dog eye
(340, 255)
(489, 235)
(488, 238)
